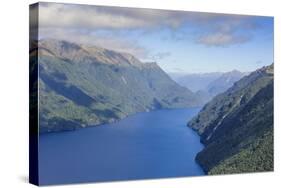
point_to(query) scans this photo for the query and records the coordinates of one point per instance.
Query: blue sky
(178, 41)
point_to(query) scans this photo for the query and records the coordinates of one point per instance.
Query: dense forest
(237, 127)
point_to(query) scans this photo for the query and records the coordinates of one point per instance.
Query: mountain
(236, 126)
(82, 86)
(223, 82)
(195, 81)
(208, 85)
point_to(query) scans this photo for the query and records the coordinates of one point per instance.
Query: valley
(81, 86)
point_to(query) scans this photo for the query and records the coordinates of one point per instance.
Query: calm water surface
(155, 144)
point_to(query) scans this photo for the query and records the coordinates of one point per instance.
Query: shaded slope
(237, 127)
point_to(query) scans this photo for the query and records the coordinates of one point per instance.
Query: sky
(178, 41)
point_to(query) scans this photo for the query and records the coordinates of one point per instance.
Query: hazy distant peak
(235, 71)
(153, 63)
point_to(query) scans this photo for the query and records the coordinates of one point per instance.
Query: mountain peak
(235, 71)
(104, 87)
(268, 69)
(81, 53)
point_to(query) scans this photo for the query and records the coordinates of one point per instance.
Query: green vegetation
(257, 157)
(237, 127)
(83, 86)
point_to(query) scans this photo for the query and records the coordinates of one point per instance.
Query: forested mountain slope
(83, 86)
(237, 126)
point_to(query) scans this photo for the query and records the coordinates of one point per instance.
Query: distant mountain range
(195, 81)
(237, 126)
(82, 86)
(223, 82)
(208, 85)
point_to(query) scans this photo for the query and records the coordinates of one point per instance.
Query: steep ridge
(82, 86)
(225, 81)
(237, 126)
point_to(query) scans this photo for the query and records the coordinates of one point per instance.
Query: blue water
(155, 144)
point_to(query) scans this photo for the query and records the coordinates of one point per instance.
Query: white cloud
(97, 17)
(160, 55)
(105, 17)
(68, 22)
(222, 33)
(222, 39)
(105, 41)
